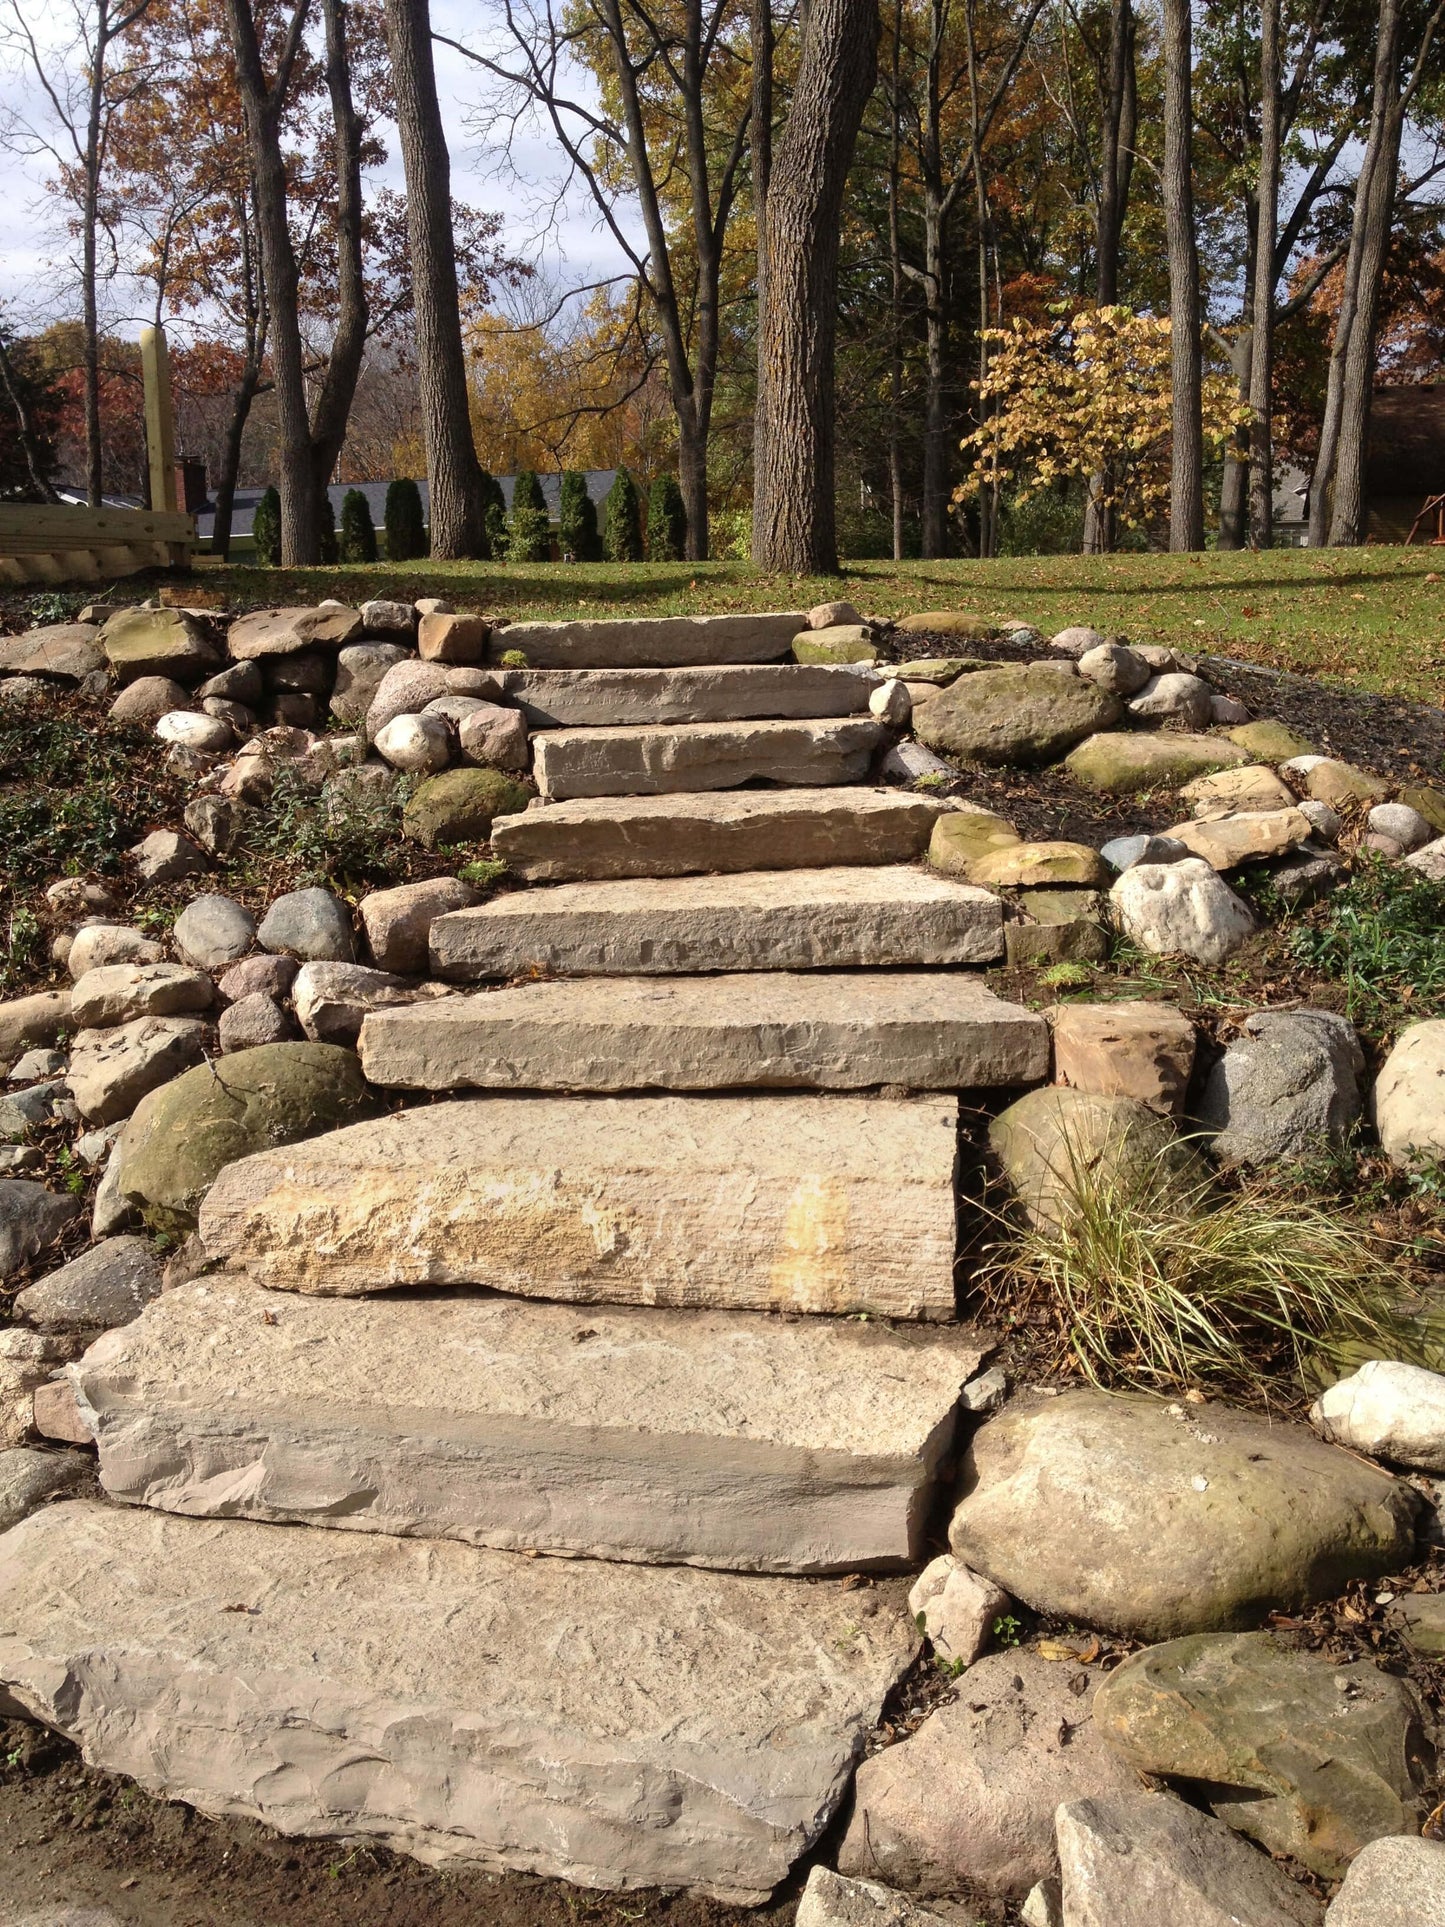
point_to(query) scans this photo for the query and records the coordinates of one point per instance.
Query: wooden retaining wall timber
(89, 545)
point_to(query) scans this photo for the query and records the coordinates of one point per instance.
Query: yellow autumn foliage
(1088, 398)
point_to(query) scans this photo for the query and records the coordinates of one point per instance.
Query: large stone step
(778, 1203)
(650, 642)
(766, 920)
(593, 698)
(721, 830)
(617, 1726)
(833, 1030)
(703, 756)
(724, 1439)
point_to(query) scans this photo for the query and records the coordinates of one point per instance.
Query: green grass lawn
(1373, 617)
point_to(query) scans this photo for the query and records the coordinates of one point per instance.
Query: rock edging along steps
(725, 1439)
(650, 642)
(703, 756)
(834, 1030)
(814, 1204)
(720, 830)
(767, 920)
(617, 1726)
(590, 698)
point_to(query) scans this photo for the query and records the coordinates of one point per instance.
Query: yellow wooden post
(160, 422)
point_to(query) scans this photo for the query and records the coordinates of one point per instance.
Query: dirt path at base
(71, 1837)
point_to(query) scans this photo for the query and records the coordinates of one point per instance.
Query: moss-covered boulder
(1270, 741)
(1065, 926)
(961, 837)
(949, 622)
(1310, 1756)
(1018, 714)
(183, 1134)
(1120, 764)
(1053, 1141)
(1431, 805)
(843, 642)
(457, 806)
(158, 642)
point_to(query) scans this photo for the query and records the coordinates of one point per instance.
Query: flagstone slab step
(616, 1726)
(703, 756)
(650, 642)
(763, 920)
(593, 698)
(833, 1030)
(726, 1439)
(816, 1203)
(720, 830)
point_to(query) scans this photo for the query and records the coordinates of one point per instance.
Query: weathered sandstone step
(723, 1439)
(703, 756)
(590, 698)
(617, 1726)
(649, 642)
(724, 830)
(763, 920)
(835, 1030)
(780, 1203)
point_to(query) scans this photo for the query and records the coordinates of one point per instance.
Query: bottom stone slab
(616, 1726)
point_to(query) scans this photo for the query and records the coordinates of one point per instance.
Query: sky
(570, 247)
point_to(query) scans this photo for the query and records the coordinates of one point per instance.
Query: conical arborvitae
(666, 521)
(622, 524)
(405, 525)
(266, 529)
(494, 517)
(529, 527)
(577, 520)
(358, 534)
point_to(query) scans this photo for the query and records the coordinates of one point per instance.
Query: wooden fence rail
(89, 545)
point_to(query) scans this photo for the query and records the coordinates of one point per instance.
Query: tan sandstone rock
(1137, 1049)
(837, 1204)
(616, 1726)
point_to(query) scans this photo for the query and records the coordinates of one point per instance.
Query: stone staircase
(703, 1346)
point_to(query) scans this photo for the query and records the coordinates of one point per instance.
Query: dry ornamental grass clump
(1147, 1283)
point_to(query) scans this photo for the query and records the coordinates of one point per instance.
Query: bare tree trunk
(1266, 235)
(761, 141)
(1119, 101)
(263, 105)
(231, 458)
(895, 308)
(1186, 488)
(343, 366)
(89, 302)
(454, 475)
(935, 399)
(1117, 157)
(1234, 484)
(25, 428)
(1347, 508)
(798, 531)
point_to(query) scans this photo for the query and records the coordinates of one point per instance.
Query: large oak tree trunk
(1186, 488)
(338, 389)
(794, 525)
(263, 105)
(453, 473)
(1266, 235)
